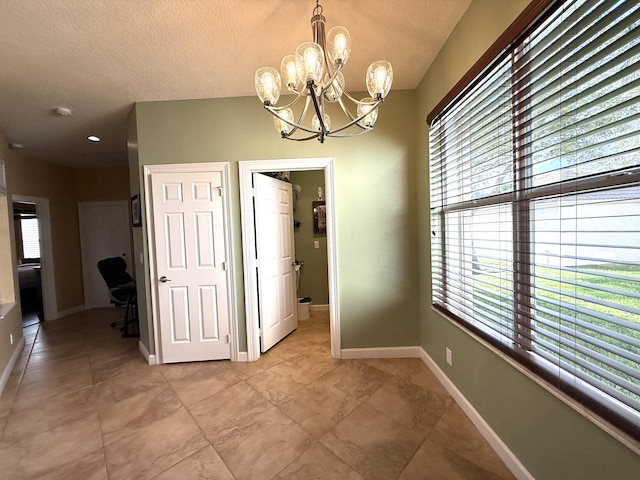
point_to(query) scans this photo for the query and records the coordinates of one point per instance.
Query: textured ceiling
(99, 57)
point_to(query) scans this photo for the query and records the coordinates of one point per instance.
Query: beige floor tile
(246, 370)
(455, 432)
(7, 399)
(433, 462)
(3, 423)
(410, 404)
(257, 447)
(269, 359)
(33, 394)
(154, 448)
(89, 467)
(373, 444)
(134, 413)
(64, 371)
(318, 463)
(43, 352)
(291, 347)
(425, 378)
(126, 364)
(278, 382)
(176, 371)
(227, 408)
(318, 407)
(402, 367)
(47, 451)
(314, 363)
(204, 464)
(126, 386)
(27, 422)
(313, 335)
(356, 378)
(113, 350)
(198, 383)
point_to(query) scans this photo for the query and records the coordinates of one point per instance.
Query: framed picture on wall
(319, 217)
(136, 218)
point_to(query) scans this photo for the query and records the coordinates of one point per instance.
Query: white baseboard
(319, 308)
(6, 373)
(150, 358)
(506, 455)
(381, 352)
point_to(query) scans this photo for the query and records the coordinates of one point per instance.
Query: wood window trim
(528, 16)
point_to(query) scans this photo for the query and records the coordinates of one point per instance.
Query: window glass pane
(535, 204)
(587, 288)
(30, 238)
(479, 278)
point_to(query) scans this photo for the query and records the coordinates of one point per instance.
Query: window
(535, 204)
(30, 239)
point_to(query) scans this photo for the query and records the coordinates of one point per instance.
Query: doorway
(246, 171)
(46, 272)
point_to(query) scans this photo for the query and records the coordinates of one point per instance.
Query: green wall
(313, 275)
(375, 196)
(551, 439)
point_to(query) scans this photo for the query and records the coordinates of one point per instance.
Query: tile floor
(82, 403)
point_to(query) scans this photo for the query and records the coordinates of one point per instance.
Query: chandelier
(314, 73)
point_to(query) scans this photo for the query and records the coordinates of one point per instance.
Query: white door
(275, 250)
(191, 282)
(104, 233)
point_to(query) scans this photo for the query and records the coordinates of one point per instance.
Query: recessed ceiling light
(93, 138)
(16, 146)
(63, 111)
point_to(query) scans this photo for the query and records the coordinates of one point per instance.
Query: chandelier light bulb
(338, 45)
(267, 81)
(315, 122)
(289, 71)
(283, 127)
(334, 92)
(310, 61)
(379, 79)
(367, 108)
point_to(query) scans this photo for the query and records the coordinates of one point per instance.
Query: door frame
(223, 169)
(49, 301)
(83, 213)
(246, 171)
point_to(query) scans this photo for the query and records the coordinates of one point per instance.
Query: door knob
(164, 279)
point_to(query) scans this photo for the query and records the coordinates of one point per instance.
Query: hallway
(82, 403)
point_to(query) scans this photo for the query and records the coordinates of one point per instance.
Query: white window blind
(30, 238)
(535, 204)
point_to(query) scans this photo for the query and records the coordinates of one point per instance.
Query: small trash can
(304, 308)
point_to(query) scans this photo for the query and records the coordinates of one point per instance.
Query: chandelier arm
(277, 109)
(345, 109)
(332, 76)
(356, 121)
(319, 108)
(359, 102)
(304, 139)
(274, 111)
(352, 134)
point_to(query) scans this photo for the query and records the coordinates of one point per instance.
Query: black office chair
(122, 292)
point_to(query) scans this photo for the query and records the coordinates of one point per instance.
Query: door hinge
(220, 190)
(260, 332)
(228, 339)
(224, 266)
(253, 192)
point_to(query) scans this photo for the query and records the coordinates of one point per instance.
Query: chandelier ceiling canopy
(314, 74)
